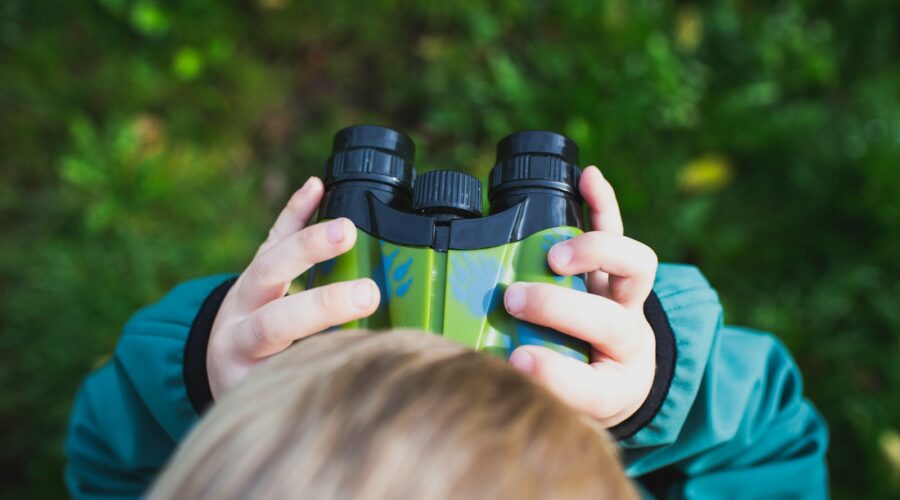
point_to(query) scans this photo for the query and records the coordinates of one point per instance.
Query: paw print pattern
(397, 282)
(473, 281)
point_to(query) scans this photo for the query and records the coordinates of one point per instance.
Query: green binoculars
(440, 264)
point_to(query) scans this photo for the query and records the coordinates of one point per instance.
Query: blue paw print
(397, 282)
(474, 281)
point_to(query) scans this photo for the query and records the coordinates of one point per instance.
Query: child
(390, 416)
(700, 409)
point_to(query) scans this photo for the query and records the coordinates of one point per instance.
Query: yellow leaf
(705, 174)
(890, 447)
(688, 28)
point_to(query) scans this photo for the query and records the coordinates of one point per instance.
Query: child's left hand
(610, 317)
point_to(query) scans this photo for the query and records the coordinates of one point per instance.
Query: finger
(271, 272)
(296, 214)
(596, 390)
(630, 264)
(276, 325)
(603, 208)
(599, 321)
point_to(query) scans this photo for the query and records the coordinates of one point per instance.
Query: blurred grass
(147, 142)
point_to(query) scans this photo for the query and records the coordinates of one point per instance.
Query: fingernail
(522, 360)
(334, 231)
(362, 294)
(514, 299)
(305, 188)
(594, 167)
(562, 254)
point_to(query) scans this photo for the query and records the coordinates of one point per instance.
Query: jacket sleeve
(129, 415)
(732, 422)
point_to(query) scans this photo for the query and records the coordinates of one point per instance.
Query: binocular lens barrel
(537, 142)
(368, 159)
(541, 167)
(535, 159)
(372, 153)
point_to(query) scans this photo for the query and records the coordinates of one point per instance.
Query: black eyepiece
(540, 168)
(537, 142)
(368, 161)
(447, 192)
(377, 137)
(535, 159)
(372, 153)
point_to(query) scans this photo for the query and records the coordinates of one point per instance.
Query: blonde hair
(393, 415)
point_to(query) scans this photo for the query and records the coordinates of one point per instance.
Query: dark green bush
(146, 142)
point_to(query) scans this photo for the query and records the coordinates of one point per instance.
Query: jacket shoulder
(151, 353)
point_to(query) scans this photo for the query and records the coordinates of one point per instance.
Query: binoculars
(441, 264)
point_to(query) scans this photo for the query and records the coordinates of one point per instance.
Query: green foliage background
(146, 142)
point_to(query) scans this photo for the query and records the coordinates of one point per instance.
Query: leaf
(889, 442)
(688, 28)
(187, 64)
(148, 19)
(704, 174)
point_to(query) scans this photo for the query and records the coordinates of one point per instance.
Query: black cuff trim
(196, 378)
(666, 356)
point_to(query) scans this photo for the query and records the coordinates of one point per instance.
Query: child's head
(392, 415)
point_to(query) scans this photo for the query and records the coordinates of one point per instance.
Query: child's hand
(256, 320)
(611, 318)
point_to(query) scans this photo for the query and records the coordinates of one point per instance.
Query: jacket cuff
(196, 377)
(666, 357)
(689, 309)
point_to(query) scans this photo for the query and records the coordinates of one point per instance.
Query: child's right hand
(257, 320)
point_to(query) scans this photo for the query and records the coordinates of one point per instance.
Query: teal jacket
(726, 417)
